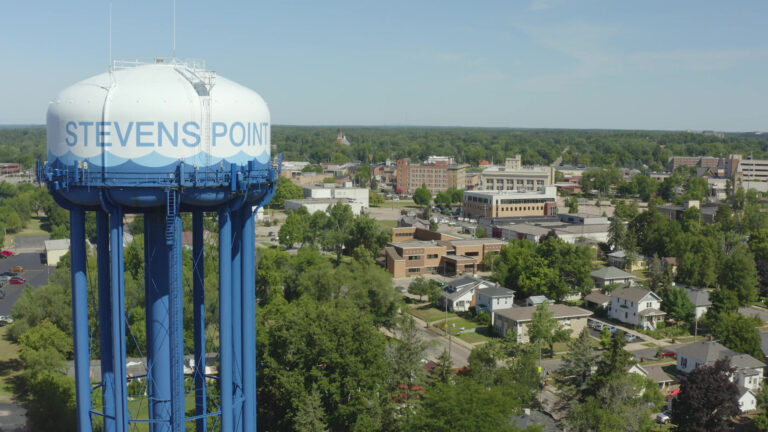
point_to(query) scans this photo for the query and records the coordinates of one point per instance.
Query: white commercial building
(322, 204)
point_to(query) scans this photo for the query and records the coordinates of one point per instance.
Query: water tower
(161, 139)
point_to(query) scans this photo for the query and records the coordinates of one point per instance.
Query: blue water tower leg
(248, 306)
(178, 396)
(158, 316)
(198, 295)
(80, 319)
(117, 296)
(225, 320)
(237, 322)
(105, 322)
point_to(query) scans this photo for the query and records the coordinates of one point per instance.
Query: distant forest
(632, 149)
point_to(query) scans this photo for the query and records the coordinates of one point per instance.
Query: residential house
(597, 299)
(700, 299)
(618, 259)
(636, 306)
(669, 263)
(655, 373)
(748, 374)
(461, 294)
(537, 300)
(518, 319)
(494, 299)
(611, 275)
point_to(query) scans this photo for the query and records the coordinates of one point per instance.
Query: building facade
(510, 203)
(438, 176)
(517, 320)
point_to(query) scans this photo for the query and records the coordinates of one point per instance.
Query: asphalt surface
(12, 418)
(35, 272)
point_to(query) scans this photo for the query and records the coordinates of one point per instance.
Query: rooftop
(698, 296)
(525, 313)
(632, 293)
(611, 273)
(496, 292)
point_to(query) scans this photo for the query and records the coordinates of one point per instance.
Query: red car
(5, 253)
(18, 280)
(668, 353)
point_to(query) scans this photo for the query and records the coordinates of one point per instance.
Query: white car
(663, 417)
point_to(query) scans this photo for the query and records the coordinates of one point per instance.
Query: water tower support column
(248, 305)
(176, 277)
(237, 322)
(198, 294)
(158, 324)
(225, 317)
(80, 318)
(117, 297)
(105, 322)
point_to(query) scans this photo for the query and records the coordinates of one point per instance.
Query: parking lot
(35, 272)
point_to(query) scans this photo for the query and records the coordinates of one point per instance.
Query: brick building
(437, 176)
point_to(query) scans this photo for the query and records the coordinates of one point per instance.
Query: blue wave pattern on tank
(155, 160)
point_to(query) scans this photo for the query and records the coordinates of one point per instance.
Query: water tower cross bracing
(162, 139)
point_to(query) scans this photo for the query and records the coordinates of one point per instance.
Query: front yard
(430, 313)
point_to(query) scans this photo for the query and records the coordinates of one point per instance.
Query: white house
(461, 294)
(494, 299)
(655, 373)
(700, 299)
(637, 306)
(748, 374)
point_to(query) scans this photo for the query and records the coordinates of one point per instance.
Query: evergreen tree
(310, 416)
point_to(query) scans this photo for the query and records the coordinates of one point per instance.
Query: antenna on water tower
(110, 39)
(174, 30)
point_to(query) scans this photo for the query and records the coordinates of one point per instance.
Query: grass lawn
(430, 313)
(399, 204)
(455, 324)
(138, 409)
(10, 366)
(386, 224)
(34, 228)
(474, 337)
(649, 344)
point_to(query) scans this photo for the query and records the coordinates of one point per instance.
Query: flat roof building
(510, 203)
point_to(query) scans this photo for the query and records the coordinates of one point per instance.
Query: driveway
(438, 344)
(24, 244)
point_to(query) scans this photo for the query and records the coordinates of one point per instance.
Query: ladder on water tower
(170, 215)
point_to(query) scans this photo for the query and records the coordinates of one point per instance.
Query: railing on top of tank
(74, 176)
(194, 64)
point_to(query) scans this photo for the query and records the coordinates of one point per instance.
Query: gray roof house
(597, 299)
(461, 293)
(700, 299)
(748, 374)
(493, 299)
(610, 275)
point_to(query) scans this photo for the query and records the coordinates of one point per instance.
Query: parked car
(630, 337)
(667, 353)
(2, 294)
(17, 269)
(4, 278)
(5, 253)
(8, 273)
(17, 280)
(663, 417)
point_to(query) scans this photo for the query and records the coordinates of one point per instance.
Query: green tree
(286, 190)
(310, 416)
(617, 231)
(573, 204)
(545, 329)
(295, 227)
(736, 332)
(444, 409)
(366, 232)
(677, 304)
(422, 196)
(576, 369)
(338, 224)
(443, 370)
(708, 397)
(739, 275)
(375, 199)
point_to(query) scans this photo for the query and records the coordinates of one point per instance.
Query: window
(432, 256)
(626, 315)
(413, 270)
(683, 362)
(649, 305)
(413, 257)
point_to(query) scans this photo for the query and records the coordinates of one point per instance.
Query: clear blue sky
(534, 63)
